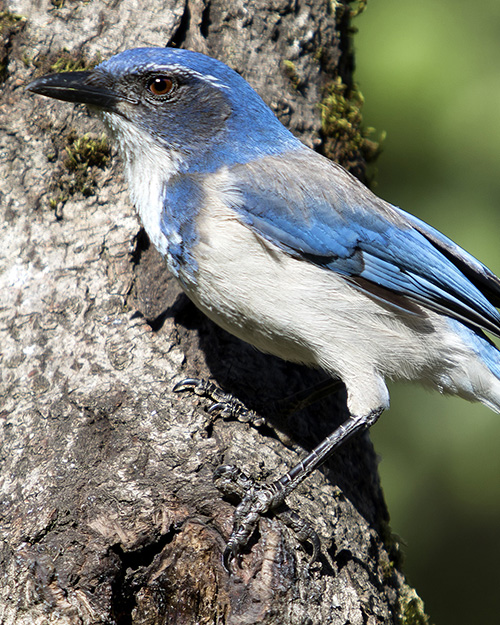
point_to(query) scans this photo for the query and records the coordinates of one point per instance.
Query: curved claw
(188, 384)
(226, 469)
(232, 481)
(221, 409)
(227, 558)
(303, 532)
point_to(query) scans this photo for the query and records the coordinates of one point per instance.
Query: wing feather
(316, 211)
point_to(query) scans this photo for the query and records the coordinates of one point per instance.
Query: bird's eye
(160, 85)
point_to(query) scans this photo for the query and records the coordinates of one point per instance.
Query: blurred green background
(430, 75)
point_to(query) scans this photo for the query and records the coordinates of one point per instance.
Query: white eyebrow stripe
(208, 78)
(213, 80)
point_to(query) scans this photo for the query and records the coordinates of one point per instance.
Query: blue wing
(316, 211)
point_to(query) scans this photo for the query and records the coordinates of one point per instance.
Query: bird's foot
(225, 405)
(256, 501)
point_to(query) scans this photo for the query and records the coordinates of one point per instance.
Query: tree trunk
(108, 509)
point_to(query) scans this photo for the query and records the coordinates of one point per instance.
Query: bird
(286, 250)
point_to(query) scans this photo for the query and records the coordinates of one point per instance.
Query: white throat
(148, 169)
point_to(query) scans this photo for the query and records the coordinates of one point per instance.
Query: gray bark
(108, 511)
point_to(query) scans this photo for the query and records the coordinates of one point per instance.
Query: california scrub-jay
(285, 249)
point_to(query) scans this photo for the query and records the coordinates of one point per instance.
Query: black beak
(84, 87)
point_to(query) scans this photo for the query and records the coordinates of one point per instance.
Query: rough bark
(108, 511)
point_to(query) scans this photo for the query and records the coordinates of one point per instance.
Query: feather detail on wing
(315, 211)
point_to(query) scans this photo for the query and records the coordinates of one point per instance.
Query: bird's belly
(240, 285)
(236, 306)
(279, 304)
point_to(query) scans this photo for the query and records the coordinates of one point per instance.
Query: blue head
(185, 101)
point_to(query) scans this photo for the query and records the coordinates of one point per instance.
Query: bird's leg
(257, 499)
